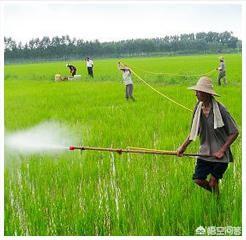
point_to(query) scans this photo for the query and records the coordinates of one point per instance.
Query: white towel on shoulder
(218, 121)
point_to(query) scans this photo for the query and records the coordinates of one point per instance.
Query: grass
(97, 193)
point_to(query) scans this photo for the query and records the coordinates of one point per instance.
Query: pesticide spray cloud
(45, 138)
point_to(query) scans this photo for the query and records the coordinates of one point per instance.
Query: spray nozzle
(71, 148)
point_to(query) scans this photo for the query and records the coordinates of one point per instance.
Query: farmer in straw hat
(217, 131)
(222, 71)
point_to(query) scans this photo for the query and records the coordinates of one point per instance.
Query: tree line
(66, 48)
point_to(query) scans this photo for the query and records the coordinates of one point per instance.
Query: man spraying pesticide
(217, 131)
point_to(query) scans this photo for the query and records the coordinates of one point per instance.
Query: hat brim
(197, 88)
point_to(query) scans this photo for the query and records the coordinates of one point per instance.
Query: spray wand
(135, 150)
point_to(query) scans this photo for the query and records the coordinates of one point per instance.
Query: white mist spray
(47, 137)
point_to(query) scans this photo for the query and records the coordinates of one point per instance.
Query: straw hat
(204, 84)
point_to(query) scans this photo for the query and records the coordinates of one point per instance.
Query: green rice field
(101, 193)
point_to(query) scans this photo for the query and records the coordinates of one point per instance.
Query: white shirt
(221, 67)
(89, 63)
(127, 77)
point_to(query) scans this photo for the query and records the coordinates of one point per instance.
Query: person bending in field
(222, 71)
(127, 80)
(217, 131)
(72, 69)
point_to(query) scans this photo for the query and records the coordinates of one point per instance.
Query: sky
(117, 21)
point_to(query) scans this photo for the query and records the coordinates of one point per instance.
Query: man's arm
(231, 130)
(120, 66)
(183, 147)
(231, 138)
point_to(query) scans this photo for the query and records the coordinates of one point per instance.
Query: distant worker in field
(222, 71)
(89, 65)
(127, 80)
(217, 131)
(72, 69)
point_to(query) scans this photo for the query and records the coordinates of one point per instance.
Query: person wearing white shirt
(222, 71)
(126, 75)
(89, 65)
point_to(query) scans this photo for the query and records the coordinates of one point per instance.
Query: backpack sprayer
(135, 150)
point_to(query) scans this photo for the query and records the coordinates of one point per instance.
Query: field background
(96, 193)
